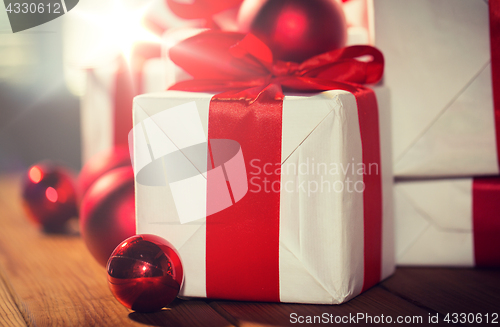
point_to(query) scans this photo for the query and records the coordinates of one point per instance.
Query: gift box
(360, 22)
(281, 212)
(448, 222)
(439, 70)
(106, 106)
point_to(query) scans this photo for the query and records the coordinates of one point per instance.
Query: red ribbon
(242, 241)
(128, 84)
(242, 245)
(242, 66)
(486, 191)
(495, 65)
(486, 221)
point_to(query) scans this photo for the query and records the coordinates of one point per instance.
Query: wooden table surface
(52, 280)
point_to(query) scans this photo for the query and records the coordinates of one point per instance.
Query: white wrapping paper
(438, 69)
(325, 253)
(434, 222)
(97, 104)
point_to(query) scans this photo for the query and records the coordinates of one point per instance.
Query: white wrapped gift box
(98, 108)
(438, 68)
(321, 234)
(448, 222)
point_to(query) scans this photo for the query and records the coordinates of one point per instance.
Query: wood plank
(183, 313)
(61, 284)
(10, 312)
(448, 290)
(375, 302)
(10, 192)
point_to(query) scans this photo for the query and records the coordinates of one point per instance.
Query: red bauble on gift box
(107, 213)
(100, 164)
(295, 30)
(145, 273)
(49, 195)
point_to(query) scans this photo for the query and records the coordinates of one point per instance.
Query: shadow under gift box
(320, 234)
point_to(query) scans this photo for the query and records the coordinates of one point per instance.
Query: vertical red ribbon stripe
(128, 84)
(494, 6)
(486, 221)
(242, 241)
(372, 195)
(124, 93)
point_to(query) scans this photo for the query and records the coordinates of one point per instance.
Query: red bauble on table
(100, 164)
(107, 213)
(49, 195)
(295, 30)
(145, 273)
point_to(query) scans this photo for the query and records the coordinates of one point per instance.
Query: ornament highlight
(295, 30)
(145, 273)
(49, 195)
(107, 213)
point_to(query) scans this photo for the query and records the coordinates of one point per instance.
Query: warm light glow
(122, 27)
(51, 194)
(35, 174)
(144, 268)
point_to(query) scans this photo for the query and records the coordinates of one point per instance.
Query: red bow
(242, 67)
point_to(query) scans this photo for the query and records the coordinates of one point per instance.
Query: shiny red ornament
(107, 213)
(295, 30)
(100, 164)
(145, 273)
(49, 195)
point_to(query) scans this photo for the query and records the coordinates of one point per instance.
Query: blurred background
(44, 72)
(39, 116)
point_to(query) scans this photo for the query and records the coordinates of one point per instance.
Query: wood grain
(183, 313)
(60, 283)
(10, 313)
(448, 290)
(51, 280)
(374, 302)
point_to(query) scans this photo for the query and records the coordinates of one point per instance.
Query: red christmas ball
(100, 164)
(49, 195)
(107, 213)
(295, 30)
(145, 273)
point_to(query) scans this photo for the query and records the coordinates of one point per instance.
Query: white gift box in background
(435, 222)
(328, 260)
(360, 22)
(438, 69)
(95, 35)
(98, 107)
